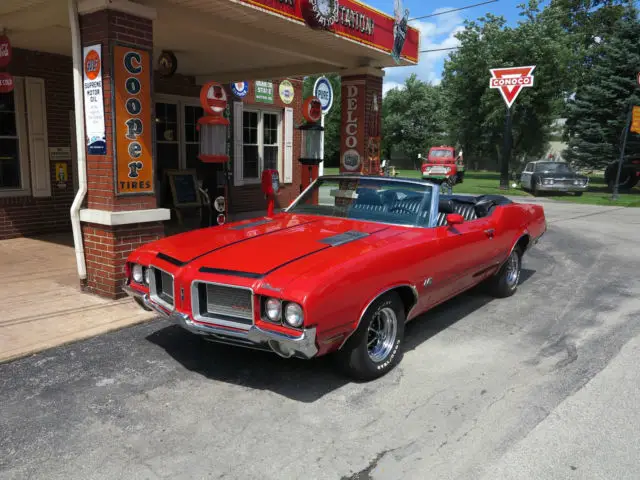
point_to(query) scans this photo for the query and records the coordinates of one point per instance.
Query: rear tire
(376, 347)
(505, 282)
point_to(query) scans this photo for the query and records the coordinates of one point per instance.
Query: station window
(261, 143)
(10, 162)
(24, 142)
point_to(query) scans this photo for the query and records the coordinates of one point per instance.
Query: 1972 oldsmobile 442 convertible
(340, 271)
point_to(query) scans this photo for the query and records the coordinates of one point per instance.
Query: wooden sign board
(184, 188)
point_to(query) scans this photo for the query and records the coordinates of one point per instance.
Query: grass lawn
(482, 182)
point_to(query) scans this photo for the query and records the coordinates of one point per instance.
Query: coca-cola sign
(6, 82)
(5, 51)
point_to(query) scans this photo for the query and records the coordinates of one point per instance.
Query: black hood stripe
(239, 273)
(182, 263)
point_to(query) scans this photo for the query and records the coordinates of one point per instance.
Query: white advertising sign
(94, 100)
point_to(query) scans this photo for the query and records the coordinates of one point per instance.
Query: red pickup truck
(442, 165)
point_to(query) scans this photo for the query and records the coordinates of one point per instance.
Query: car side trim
(364, 311)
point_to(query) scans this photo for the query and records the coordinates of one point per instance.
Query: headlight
(547, 181)
(273, 308)
(447, 169)
(147, 276)
(293, 315)
(137, 273)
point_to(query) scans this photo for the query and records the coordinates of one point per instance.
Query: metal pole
(506, 152)
(627, 125)
(321, 166)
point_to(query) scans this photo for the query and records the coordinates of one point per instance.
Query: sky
(438, 32)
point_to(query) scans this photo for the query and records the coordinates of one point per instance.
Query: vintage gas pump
(311, 138)
(213, 132)
(270, 188)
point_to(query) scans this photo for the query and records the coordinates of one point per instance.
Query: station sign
(132, 119)
(94, 100)
(511, 81)
(349, 19)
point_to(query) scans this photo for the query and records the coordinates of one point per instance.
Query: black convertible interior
(373, 205)
(470, 207)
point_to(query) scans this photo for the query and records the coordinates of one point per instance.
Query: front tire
(376, 347)
(505, 282)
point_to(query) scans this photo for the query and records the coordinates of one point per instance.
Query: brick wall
(102, 27)
(107, 248)
(25, 216)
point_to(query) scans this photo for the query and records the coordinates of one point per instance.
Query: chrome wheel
(381, 335)
(512, 272)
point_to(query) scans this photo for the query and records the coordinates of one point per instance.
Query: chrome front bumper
(562, 188)
(287, 346)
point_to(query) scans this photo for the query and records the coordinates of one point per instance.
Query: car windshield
(440, 153)
(552, 167)
(391, 201)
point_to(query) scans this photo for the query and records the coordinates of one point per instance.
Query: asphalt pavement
(542, 385)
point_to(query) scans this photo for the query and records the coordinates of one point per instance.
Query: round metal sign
(312, 110)
(6, 82)
(240, 89)
(213, 98)
(324, 92)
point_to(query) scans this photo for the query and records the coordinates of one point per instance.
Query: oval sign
(323, 90)
(6, 82)
(312, 109)
(5, 51)
(287, 92)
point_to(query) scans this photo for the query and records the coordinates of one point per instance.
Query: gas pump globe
(311, 132)
(213, 126)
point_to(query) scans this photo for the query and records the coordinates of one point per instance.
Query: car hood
(256, 248)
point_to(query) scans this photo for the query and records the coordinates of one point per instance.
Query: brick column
(361, 121)
(122, 212)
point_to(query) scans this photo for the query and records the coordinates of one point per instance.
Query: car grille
(161, 287)
(224, 304)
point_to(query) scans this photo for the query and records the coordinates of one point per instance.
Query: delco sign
(511, 81)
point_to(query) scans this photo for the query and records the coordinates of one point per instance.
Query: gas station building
(100, 101)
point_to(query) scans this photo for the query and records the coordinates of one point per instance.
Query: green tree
(476, 113)
(413, 118)
(332, 121)
(585, 21)
(597, 115)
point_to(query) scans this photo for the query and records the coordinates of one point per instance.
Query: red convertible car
(340, 271)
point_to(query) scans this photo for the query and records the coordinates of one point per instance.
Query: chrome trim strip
(415, 294)
(303, 345)
(213, 320)
(153, 288)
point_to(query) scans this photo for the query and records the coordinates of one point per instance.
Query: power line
(439, 49)
(453, 10)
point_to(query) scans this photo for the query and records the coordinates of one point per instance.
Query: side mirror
(454, 219)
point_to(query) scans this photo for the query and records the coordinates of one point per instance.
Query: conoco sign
(5, 51)
(6, 82)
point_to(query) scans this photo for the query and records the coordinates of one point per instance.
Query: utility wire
(452, 10)
(439, 49)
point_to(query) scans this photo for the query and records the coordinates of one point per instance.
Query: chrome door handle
(490, 232)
